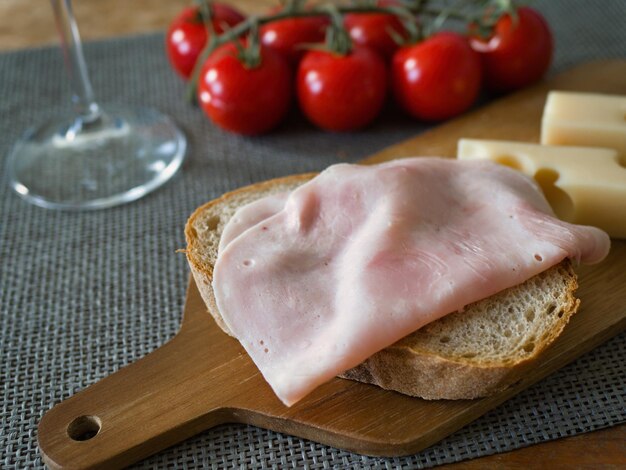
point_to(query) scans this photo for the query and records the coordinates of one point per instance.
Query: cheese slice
(583, 185)
(586, 119)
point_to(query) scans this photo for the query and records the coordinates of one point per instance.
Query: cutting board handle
(139, 410)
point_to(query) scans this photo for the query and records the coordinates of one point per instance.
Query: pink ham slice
(315, 281)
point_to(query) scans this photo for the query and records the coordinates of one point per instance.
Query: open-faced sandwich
(437, 278)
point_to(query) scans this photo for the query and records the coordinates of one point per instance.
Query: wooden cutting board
(203, 378)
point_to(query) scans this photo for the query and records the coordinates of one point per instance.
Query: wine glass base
(119, 158)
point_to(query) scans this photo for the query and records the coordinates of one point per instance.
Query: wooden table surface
(25, 23)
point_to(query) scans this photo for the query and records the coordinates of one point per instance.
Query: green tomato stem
(296, 10)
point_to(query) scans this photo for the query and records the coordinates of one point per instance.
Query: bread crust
(201, 270)
(405, 366)
(409, 369)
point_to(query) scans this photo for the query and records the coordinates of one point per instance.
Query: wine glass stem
(87, 109)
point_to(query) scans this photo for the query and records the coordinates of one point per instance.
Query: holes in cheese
(560, 201)
(510, 161)
(583, 185)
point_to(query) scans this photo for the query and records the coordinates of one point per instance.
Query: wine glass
(98, 157)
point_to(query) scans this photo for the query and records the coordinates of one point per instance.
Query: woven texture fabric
(84, 294)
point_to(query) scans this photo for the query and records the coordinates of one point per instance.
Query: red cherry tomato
(242, 99)
(437, 78)
(187, 35)
(519, 51)
(287, 36)
(372, 30)
(341, 93)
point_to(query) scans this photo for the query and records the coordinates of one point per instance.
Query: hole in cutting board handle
(84, 428)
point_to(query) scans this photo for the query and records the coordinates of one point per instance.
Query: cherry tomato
(372, 30)
(519, 51)
(341, 92)
(242, 99)
(187, 35)
(288, 36)
(437, 78)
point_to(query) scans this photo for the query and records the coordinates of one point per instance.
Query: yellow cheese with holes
(583, 185)
(586, 119)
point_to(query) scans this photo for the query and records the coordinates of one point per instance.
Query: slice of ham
(314, 282)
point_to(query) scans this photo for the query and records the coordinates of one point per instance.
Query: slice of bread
(469, 354)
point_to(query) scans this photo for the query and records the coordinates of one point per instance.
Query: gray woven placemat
(84, 294)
